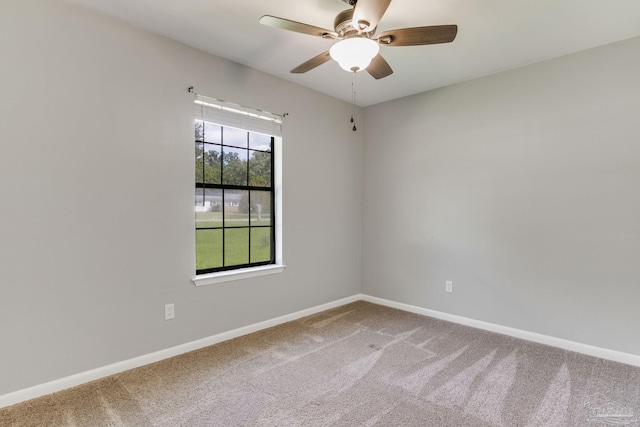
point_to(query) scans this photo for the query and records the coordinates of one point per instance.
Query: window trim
(237, 274)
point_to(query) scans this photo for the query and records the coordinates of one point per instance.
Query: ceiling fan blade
(418, 36)
(298, 27)
(379, 68)
(312, 63)
(368, 13)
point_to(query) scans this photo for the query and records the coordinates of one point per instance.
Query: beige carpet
(357, 365)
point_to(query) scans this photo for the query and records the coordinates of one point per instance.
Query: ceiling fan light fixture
(355, 53)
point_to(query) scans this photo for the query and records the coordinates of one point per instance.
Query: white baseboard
(95, 374)
(603, 353)
(105, 371)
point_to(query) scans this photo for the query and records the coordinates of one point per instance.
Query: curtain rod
(283, 115)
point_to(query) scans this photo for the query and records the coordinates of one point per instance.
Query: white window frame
(263, 270)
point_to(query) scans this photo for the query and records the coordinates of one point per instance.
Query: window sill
(244, 273)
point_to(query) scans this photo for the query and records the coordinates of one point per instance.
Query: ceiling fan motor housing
(344, 26)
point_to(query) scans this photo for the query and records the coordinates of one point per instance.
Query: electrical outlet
(169, 312)
(448, 286)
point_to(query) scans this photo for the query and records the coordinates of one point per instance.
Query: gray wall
(523, 188)
(96, 194)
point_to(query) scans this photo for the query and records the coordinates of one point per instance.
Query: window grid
(202, 185)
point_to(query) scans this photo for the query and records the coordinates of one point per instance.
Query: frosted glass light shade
(354, 54)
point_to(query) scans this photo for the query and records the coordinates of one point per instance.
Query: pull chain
(353, 101)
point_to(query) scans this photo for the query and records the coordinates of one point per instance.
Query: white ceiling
(493, 35)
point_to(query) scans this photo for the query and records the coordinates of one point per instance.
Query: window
(235, 203)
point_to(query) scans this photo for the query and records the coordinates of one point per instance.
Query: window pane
(199, 198)
(209, 210)
(234, 170)
(236, 208)
(208, 249)
(260, 169)
(235, 137)
(199, 162)
(213, 163)
(212, 133)
(260, 208)
(261, 244)
(236, 246)
(234, 225)
(199, 128)
(258, 141)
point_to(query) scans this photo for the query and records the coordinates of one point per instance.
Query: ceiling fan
(357, 48)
